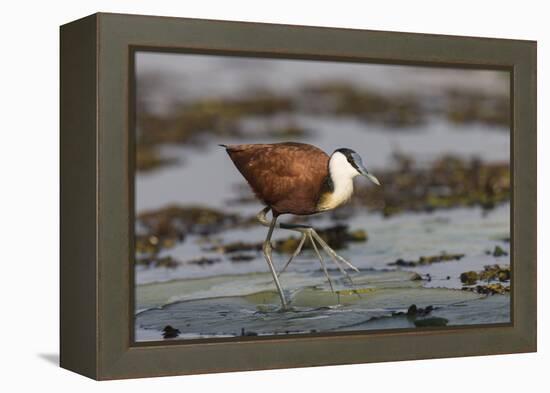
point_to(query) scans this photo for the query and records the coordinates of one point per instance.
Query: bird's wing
(282, 174)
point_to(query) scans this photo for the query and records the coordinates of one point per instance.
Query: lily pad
(196, 308)
(162, 293)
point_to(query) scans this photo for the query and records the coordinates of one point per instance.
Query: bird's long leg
(305, 230)
(261, 216)
(267, 249)
(307, 233)
(334, 256)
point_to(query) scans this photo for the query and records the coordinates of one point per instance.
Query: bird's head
(347, 163)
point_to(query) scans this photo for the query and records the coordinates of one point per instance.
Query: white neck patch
(342, 174)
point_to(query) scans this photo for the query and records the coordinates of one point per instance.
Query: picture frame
(97, 167)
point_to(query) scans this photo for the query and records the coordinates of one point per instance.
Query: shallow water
(197, 308)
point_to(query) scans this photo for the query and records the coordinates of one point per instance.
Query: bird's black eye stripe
(353, 163)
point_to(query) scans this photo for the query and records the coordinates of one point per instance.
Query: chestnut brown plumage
(301, 179)
(287, 177)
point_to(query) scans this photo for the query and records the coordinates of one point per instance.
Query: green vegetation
(427, 260)
(148, 158)
(393, 111)
(337, 237)
(465, 106)
(490, 273)
(190, 123)
(448, 182)
(164, 228)
(193, 122)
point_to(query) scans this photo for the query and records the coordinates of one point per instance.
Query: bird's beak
(363, 171)
(373, 179)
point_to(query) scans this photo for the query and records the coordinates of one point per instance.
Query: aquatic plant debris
(427, 260)
(155, 261)
(447, 182)
(489, 273)
(149, 158)
(498, 252)
(337, 237)
(164, 228)
(489, 289)
(170, 332)
(196, 121)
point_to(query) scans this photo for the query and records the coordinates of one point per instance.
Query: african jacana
(300, 179)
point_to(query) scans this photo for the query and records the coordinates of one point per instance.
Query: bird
(298, 179)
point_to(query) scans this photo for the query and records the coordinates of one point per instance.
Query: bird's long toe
(321, 260)
(335, 257)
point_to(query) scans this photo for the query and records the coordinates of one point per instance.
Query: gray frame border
(95, 253)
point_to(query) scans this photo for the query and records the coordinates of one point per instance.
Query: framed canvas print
(241, 196)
